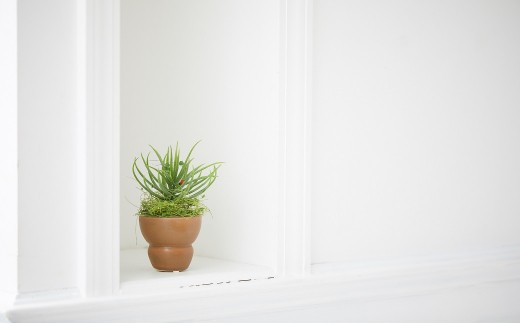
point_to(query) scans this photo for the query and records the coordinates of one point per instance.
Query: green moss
(183, 207)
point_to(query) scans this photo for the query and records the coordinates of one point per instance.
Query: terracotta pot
(170, 241)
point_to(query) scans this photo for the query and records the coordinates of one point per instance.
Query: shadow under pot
(170, 241)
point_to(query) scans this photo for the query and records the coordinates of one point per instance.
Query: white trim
(251, 298)
(101, 262)
(457, 261)
(81, 141)
(307, 135)
(296, 84)
(282, 133)
(53, 296)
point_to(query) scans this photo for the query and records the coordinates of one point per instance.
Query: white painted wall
(9, 144)
(415, 105)
(416, 125)
(207, 70)
(46, 145)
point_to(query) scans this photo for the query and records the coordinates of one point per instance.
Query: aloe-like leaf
(176, 163)
(164, 181)
(159, 185)
(201, 182)
(187, 161)
(172, 165)
(143, 184)
(143, 177)
(158, 155)
(164, 163)
(202, 167)
(167, 157)
(191, 150)
(164, 178)
(187, 187)
(184, 169)
(154, 180)
(153, 193)
(203, 189)
(197, 192)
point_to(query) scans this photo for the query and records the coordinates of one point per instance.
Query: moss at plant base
(183, 207)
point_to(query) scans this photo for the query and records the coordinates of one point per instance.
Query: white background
(416, 128)
(415, 131)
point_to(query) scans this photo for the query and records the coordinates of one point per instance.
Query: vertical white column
(8, 162)
(296, 26)
(99, 263)
(81, 147)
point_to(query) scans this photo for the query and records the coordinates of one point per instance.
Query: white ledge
(265, 296)
(138, 276)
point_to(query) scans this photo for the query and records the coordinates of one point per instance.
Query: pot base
(170, 259)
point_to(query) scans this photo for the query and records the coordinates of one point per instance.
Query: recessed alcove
(190, 71)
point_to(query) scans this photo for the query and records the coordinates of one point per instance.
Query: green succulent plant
(173, 186)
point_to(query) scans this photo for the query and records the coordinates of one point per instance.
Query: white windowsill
(162, 303)
(138, 275)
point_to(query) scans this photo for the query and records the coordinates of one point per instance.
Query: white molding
(251, 298)
(48, 296)
(295, 81)
(100, 265)
(401, 266)
(307, 135)
(81, 146)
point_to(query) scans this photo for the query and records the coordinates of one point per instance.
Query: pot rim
(170, 217)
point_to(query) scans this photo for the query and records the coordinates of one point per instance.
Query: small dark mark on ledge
(228, 282)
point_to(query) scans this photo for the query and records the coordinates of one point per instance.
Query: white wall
(414, 133)
(8, 142)
(47, 141)
(207, 70)
(416, 125)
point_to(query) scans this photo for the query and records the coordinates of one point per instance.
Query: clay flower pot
(170, 241)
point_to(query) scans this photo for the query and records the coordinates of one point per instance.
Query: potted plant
(170, 212)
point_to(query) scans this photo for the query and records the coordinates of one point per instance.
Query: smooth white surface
(8, 142)
(415, 128)
(98, 23)
(207, 70)
(296, 30)
(46, 141)
(457, 290)
(138, 275)
(491, 303)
